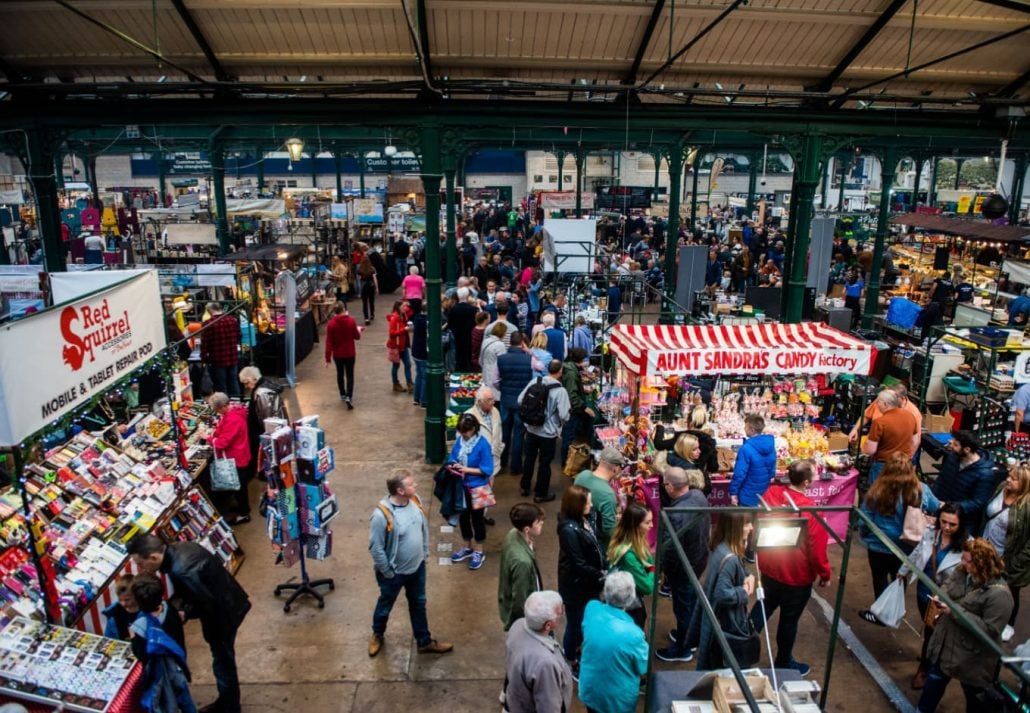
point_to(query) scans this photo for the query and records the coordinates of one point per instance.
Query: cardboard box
(837, 440)
(726, 693)
(938, 424)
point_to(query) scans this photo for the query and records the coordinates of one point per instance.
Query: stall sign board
(368, 210)
(55, 361)
(565, 200)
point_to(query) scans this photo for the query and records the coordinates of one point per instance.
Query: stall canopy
(974, 230)
(807, 348)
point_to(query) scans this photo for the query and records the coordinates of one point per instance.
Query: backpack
(389, 518)
(533, 409)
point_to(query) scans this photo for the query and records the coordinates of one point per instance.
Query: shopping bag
(579, 460)
(482, 497)
(914, 527)
(393, 355)
(889, 607)
(224, 475)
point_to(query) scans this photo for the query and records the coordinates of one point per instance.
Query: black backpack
(533, 409)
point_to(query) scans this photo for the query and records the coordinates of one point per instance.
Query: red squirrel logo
(75, 350)
(101, 329)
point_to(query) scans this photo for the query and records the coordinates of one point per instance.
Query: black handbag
(746, 646)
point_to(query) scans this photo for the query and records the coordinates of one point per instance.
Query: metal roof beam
(187, 19)
(856, 49)
(652, 23)
(841, 98)
(422, 17)
(694, 40)
(1009, 5)
(1013, 87)
(126, 38)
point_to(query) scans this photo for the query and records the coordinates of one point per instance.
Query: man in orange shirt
(895, 431)
(873, 411)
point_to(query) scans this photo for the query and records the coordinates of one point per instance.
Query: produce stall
(783, 372)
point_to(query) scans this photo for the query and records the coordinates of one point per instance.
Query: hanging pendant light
(295, 147)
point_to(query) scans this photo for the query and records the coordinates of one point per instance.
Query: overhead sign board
(190, 162)
(81, 348)
(390, 164)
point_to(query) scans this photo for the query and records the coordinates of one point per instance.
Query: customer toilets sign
(55, 361)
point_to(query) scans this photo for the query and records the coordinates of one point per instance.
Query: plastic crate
(989, 336)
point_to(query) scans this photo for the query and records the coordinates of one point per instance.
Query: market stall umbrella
(806, 348)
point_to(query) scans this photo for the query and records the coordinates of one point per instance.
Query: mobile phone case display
(55, 665)
(295, 462)
(88, 500)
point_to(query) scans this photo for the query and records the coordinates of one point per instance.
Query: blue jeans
(401, 266)
(573, 637)
(420, 381)
(223, 663)
(874, 471)
(512, 432)
(414, 586)
(406, 360)
(684, 599)
(933, 691)
(225, 379)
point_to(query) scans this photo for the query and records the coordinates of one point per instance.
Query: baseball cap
(612, 456)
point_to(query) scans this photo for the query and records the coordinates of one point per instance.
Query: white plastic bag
(889, 607)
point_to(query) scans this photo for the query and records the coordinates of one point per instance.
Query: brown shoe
(436, 647)
(375, 644)
(398, 387)
(411, 388)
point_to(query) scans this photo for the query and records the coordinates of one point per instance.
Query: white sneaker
(1007, 633)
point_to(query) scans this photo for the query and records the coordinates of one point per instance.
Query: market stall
(93, 464)
(783, 372)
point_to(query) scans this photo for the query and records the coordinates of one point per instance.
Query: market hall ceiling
(855, 54)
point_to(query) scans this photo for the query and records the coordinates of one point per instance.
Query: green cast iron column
(361, 173)
(91, 171)
(827, 181)
(159, 159)
(840, 189)
(888, 167)
(1018, 185)
(431, 174)
(59, 170)
(807, 174)
(657, 156)
(958, 170)
(314, 168)
(259, 157)
(40, 156)
(581, 157)
(696, 168)
(217, 152)
(338, 160)
(452, 236)
(673, 226)
(561, 166)
(752, 183)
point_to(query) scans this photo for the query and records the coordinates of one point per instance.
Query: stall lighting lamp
(780, 533)
(390, 150)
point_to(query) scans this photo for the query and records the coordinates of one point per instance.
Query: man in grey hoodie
(398, 540)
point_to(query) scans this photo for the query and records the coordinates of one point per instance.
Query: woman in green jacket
(519, 575)
(628, 551)
(1007, 527)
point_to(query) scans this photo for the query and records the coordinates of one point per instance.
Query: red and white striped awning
(796, 349)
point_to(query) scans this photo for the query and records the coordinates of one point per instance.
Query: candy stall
(703, 380)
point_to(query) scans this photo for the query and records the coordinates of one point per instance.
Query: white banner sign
(68, 286)
(190, 234)
(564, 200)
(55, 361)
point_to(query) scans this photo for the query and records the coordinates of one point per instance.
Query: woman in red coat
(398, 341)
(230, 440)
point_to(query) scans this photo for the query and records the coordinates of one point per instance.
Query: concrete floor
(315, 660)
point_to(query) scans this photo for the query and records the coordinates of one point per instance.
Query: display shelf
(54, 665)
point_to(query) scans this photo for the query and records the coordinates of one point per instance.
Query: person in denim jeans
(420, 353)
(514, 372)
(399, 340)
(398, 540)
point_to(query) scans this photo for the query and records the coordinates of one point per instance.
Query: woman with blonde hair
(339, 274)
(1007, 527)
(541, 356)
(628, 551)
(979, 588)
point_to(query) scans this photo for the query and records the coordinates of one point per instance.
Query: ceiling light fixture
(295, 147)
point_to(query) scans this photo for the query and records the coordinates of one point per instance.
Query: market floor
(315, 659)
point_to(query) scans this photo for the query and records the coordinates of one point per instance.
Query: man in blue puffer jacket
(755, 465)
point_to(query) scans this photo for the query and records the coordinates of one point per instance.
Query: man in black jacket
(966, 478)
(204, 590)
(515, 371)
(692, 532)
